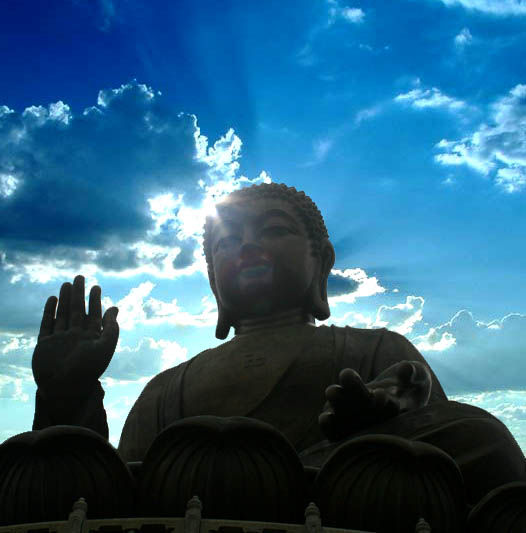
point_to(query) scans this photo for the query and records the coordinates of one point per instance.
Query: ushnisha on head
(268, 253)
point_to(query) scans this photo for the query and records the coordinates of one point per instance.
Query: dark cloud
(168, 238)
(22, 306)
(338, 285)
(185, 257)
(77, 180)
(117, 257)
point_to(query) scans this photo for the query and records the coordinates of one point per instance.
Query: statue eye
(275, 230)
(227, 242)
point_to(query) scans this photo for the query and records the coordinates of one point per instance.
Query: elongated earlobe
(223, 322)
(319, 302)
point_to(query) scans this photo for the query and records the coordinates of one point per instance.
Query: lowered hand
(353, 405)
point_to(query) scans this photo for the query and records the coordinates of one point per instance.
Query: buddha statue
(269, 258)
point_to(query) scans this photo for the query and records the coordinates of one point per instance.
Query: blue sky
(405, 121)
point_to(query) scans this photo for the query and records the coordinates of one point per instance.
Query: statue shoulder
(361, 335)
(371, 351)
(395, 342)
(384, 338)
(169, 374)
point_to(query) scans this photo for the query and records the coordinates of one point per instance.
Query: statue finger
(355, 389)
(347, 403)
(95, 310)
(64, 300)
(334, 393)
(48, 317)
(78, 306)
(349, 378)
(110, 332)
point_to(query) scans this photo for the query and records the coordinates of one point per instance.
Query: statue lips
(255, 270)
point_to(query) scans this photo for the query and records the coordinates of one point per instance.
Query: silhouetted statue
(269, 258)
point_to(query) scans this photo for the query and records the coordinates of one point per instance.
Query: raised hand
(353, 405)
(74, 348)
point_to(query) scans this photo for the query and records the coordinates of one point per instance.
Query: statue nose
(250, 250)
(250, 246)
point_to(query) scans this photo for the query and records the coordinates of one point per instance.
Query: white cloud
(4, 110)
(159, 312)
(8, 185)
(497, 149)
(352, 283)
(16, 343)
(145, 360)
(367, 113)
(511, 179)
(15, 359)
(138, 307)
(435, 341)
(463, 38)
(12, 388)
(352, 15)
(421, 98)
(468, 354)
(336, 12)
(493, 7)
(353, 319)
(40, 268)
(172, 354)
(320, 150)
(400, 317)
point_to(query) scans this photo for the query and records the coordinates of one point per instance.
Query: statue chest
(241, 378)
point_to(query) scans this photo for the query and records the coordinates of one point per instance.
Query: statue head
(267, 251)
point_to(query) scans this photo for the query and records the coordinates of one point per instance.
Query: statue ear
(319, 300)
(224, 321)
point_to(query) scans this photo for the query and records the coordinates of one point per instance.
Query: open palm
(74, 348)
(353, 405)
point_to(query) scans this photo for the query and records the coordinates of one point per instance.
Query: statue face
(262, 257)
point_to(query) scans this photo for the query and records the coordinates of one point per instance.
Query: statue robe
(276, 375)
(280, 376)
